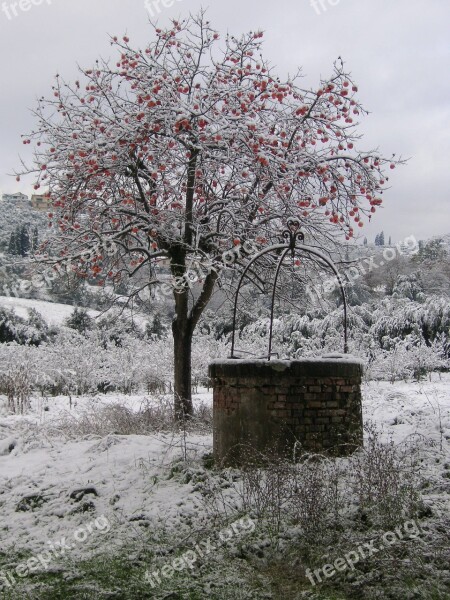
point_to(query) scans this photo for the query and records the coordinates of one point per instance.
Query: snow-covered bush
(13, 328)
(314, 499)
(398, 337)
(18, 373)
(205, 348)
(408, 358)
(383, 478)
(409, 286)
(114, 327)
(71, 364)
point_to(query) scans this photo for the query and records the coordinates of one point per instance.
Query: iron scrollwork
(294, 241)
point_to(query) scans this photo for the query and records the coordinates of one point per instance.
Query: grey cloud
(399, 52)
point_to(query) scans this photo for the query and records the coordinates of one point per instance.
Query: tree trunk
(182, 344)
(183, 327)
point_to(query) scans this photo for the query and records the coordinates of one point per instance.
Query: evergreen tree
(79, 320)
(13, 244)
(25, 242)
(432, 250)
(155, 328)
(35, 241)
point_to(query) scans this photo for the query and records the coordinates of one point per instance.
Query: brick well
(275, 406)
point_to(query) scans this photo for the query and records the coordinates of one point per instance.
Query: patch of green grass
(124, 577)
(225, 575)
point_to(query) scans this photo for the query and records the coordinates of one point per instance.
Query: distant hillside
(13, 217)
(52, 312)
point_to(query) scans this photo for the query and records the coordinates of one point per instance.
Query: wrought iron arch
(293, 234)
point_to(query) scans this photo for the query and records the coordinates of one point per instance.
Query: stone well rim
(328, 365)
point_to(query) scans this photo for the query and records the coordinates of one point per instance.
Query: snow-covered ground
(418, 413)
(52, 312)
(56, 314)
(121, 468)
(126, 478)
(405, 409)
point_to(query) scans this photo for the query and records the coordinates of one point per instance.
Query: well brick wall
(274, 406)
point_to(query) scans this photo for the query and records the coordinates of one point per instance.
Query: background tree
(19, 241)
(190, 148)
(80, 320)
(432, 250)
(155, 327)
(433, 260)
(14, 244)
(25, 241)
(35, 239)
(379, 239)
(13, 217)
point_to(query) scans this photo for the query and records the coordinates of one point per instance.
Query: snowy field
(52, 312)
(117, 466)
(129, 479)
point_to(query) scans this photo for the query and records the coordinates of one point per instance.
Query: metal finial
(293, 233)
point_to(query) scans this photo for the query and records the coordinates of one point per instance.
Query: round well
(286, 406)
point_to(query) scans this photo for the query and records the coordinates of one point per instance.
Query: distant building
(18, 199)
(40, 202)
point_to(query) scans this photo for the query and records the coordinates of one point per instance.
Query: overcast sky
(397, 50)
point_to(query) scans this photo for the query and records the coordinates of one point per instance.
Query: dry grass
(155, 415)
